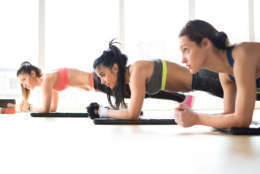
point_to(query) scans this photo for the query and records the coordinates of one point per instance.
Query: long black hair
(26, 68)
(196, 30)
(110, 57)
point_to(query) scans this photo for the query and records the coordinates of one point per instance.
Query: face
(28, 80)
(193, 55)
(108, 75)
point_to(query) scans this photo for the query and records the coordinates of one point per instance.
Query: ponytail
(196, 30)
(110, 57)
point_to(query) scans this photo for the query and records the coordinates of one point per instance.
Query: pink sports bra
(62, 79)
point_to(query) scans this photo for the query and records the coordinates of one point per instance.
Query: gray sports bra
(158, 79)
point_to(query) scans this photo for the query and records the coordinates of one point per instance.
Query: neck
(127, 75)
(39, 80)
(217, 61)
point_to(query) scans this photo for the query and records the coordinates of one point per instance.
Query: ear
(206, 42)
(115, 68)
(33, 74)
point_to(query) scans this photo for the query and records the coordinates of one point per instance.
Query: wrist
(102, 111)
(197, 118)
(29, 107)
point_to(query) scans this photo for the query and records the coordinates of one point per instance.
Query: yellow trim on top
(164, 74)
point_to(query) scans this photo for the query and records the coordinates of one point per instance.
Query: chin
(113, 87)
(192, 71)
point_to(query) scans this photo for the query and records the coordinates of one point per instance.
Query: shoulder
(246, 54)
(142, 68)
(245, 49)
(141, 65)
(50, 78)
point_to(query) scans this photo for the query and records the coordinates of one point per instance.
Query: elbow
(133, 115)
(242, 123)
(53, 109)
(46, 110)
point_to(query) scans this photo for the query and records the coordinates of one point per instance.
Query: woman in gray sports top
(144, 77)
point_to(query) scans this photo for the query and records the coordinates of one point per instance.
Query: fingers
(181, 107)
(181, 115)
(24, 105)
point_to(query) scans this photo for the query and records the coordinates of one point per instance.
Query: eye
(101, 75)
(186, 50)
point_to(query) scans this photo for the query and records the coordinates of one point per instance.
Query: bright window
(152, 28)
(77, 32)
(257, 20)
(19, 41)
(229, 16)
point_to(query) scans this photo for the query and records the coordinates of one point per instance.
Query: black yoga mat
(254, 129)
(6, 102)
(109, 121)
(59, 114)
(140, 121)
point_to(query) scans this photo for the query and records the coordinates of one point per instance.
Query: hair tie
(26, 63)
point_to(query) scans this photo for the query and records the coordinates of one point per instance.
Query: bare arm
(47, 96)
(54, 102)
(241, 115)
(137, 87)
(229, 89)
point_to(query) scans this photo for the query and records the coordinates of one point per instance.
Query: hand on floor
(184, 116)
(95, 110)
(24, 106)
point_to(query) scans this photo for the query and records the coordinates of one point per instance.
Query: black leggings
(208, 81)
(203, 80)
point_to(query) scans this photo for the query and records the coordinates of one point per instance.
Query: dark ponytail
(110, 57)
(196, 30)
(27, 68)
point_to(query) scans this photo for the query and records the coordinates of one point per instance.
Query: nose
(27, 86)
(103, 81)
(24, 85)
(184, 59)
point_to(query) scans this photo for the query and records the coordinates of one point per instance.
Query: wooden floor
(75, 145)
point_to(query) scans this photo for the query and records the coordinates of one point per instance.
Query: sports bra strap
(229, 56)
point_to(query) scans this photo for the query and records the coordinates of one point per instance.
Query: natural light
(77, 31)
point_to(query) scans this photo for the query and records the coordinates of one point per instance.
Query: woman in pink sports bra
(31, 76)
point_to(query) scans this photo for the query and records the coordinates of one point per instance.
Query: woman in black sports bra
(203, 46)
